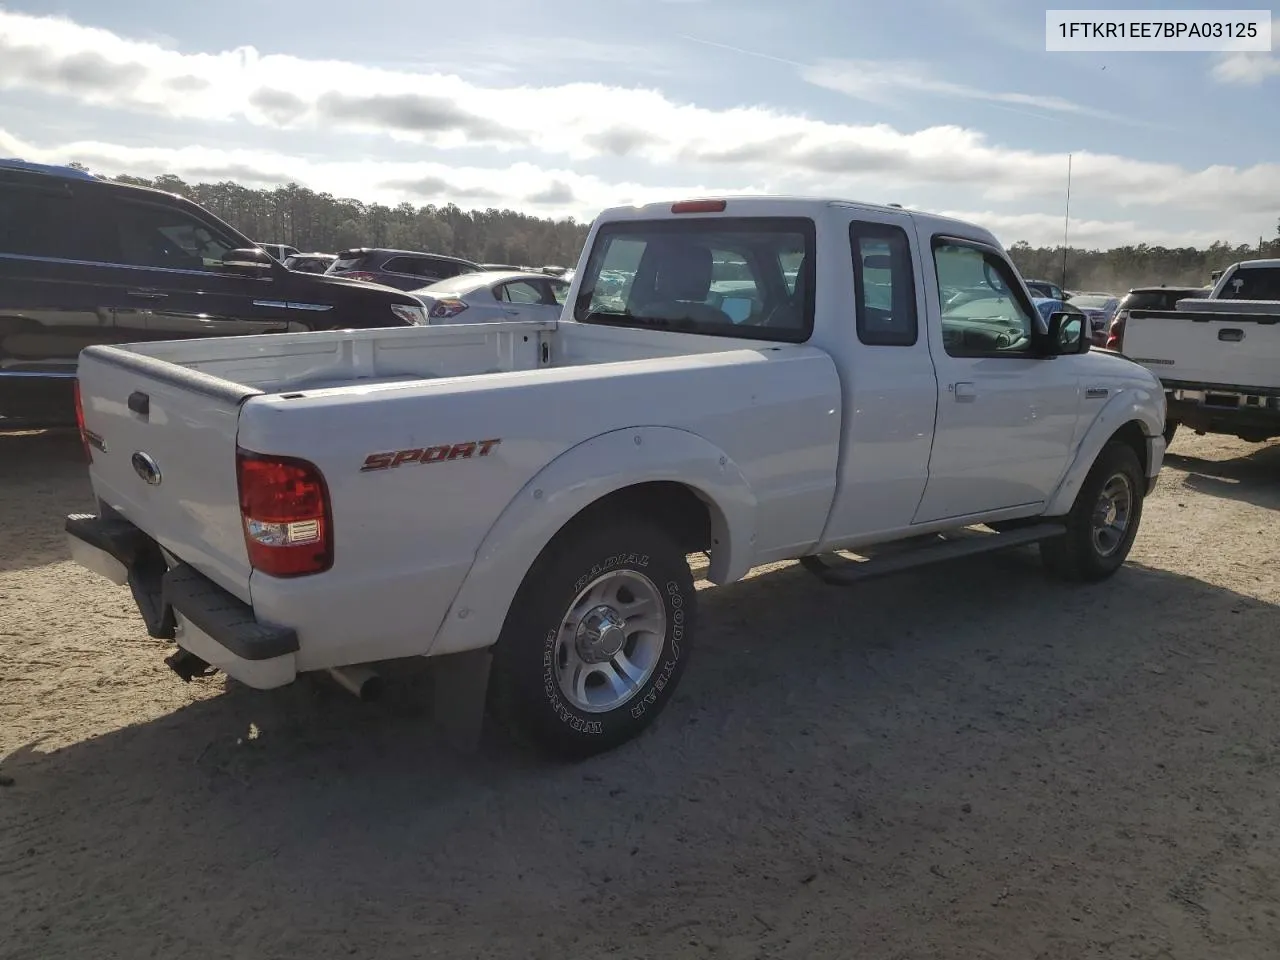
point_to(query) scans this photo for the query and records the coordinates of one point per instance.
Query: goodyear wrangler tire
(596, 639)
(1103, 520)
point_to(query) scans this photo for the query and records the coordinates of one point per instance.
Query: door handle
(148, 294)
(1231, 335)
(965, 392)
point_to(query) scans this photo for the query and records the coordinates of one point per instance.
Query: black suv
(86, 261)
(402, 269)
(1148, 298)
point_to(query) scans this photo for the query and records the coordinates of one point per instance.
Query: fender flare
(1127, 405)
(573, 481)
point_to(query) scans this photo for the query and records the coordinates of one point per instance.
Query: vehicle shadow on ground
(1253, 478)
(814, 724)
(43, 477)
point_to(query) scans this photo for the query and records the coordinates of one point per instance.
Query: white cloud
(1246, 68)
(746, 147)
(522, 186)
(881, 81)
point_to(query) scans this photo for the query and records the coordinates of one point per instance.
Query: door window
(884, 285)
(559, 290)
(150, 235)
(983, 311)
(429, 269)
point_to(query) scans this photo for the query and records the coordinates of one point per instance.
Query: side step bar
(897, 558)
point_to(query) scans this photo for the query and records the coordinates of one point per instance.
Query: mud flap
(460, 683)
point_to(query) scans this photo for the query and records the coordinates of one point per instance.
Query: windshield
(1253, 283)
(739, 278)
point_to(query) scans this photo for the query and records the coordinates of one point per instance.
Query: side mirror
(248, 261)
(1066, 335)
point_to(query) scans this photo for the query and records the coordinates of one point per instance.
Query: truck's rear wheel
(1103, 520)
(596, 639)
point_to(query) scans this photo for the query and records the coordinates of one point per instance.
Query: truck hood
(1115, 366)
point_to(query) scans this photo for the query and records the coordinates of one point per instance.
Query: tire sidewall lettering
(551, 688)
(676, 605)
(637, 561)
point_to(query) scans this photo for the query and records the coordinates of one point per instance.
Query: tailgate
(1206, 347)
(163, 442)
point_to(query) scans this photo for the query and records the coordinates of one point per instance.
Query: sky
(564, 107)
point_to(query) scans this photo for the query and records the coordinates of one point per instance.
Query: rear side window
(444, 269)
(430, 269)
(519, 291)
(37, 222)
(709, 275)
(884, 285)
(414, 266)
(348, 262)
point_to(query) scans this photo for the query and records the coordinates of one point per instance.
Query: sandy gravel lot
(969, 762)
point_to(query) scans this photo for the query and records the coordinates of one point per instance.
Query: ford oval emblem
(145, 466)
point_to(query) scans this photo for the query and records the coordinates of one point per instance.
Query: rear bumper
(1225, 410)
(179, 603)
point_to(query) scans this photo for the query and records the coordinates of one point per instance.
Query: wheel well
(1133, 434)
(673, 506)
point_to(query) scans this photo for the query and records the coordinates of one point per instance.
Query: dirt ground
(967, 762)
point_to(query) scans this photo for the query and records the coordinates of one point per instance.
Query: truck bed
(371, 358)
(172, 419)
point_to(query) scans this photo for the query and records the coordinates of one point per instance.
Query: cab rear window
(741, 277)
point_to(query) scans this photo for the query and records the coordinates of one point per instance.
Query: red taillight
(698, 206)
(359, 275)
(444, 309)
(84, 433)
(284, 507)
(1115, 335)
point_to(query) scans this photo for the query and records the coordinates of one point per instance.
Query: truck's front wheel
(1103, 520)
(596, 638)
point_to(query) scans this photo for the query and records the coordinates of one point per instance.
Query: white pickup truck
(314, 502)
(1218, 357)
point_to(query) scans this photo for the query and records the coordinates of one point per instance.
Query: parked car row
(85, 261)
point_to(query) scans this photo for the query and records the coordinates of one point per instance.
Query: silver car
(493, 297)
